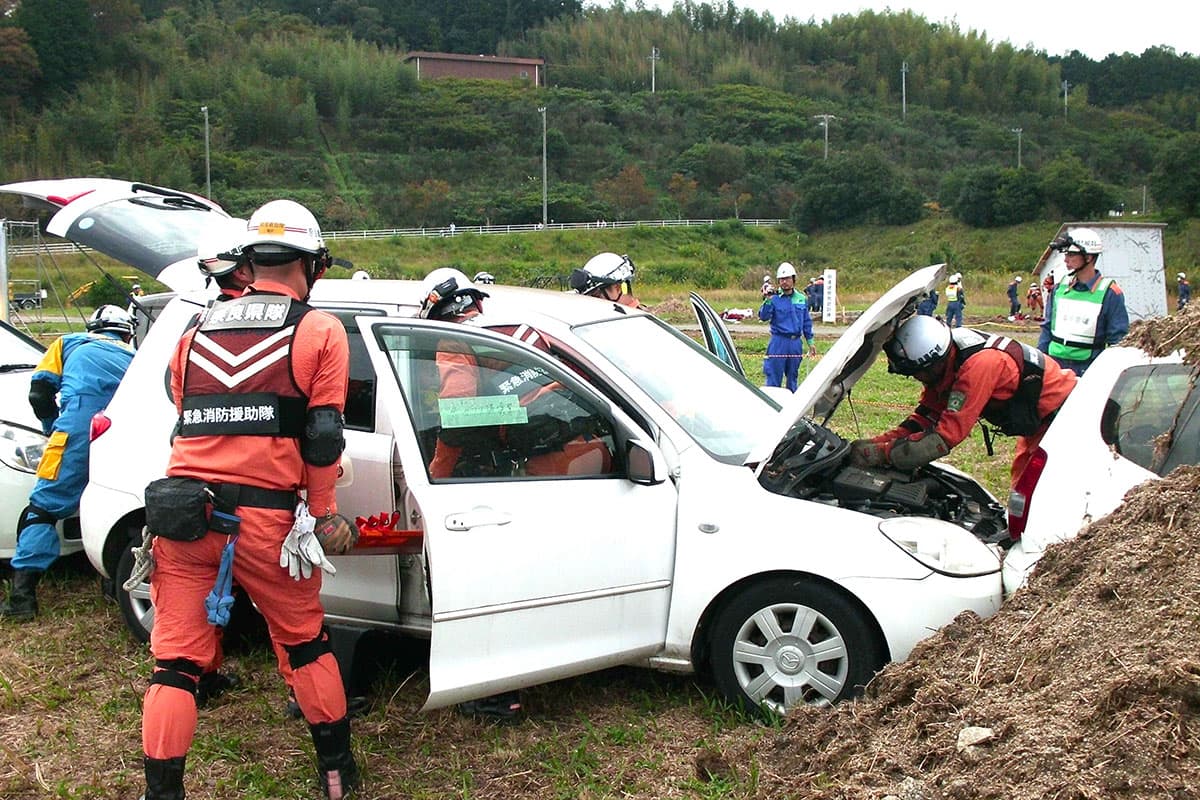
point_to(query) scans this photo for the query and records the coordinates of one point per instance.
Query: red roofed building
(458, 65)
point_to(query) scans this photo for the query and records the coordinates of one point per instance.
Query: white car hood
(150, 243)
(850, 356)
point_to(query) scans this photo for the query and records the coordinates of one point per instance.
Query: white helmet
(484, 277)
(919, 343)
(280, 228)
(956, 277)
(360, 275)
(1181, 277)
(111, 318)
(602, 269)
(786, 270)
(1017, 279)
(219, 250)
(447, 292)
(1080, 240)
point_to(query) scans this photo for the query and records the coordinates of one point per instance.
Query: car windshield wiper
(15, 367)
(171, 197)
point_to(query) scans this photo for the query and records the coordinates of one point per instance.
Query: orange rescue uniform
(953, 405)
(185, 572)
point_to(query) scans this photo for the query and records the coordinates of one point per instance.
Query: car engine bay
(812, 463)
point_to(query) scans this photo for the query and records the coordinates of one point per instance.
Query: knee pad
(305, 653)
(34, 515)
(178, 673)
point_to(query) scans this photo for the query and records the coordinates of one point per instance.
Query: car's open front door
(545, 560)
(716, 335)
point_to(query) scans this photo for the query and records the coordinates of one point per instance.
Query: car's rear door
(716, 335)
(536, 573)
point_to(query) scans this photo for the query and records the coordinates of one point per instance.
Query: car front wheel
(783, 641)
(136, 608)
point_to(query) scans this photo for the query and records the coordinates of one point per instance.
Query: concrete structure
(1133, 254)
(458, 65)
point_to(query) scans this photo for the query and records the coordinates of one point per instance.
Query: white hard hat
(956, 277)
(786, 270)
(920, 342)
(360, 275)
(602, 269)
(111, 318)
(448, 292)
(219, 249)
(1017, 279)
(1181, 276)
(1079, 240)
(279, 229)
(484, 277)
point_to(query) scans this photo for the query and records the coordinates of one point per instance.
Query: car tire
(785, 641)
(136, 608)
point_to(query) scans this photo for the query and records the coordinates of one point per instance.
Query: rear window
(1151, 417)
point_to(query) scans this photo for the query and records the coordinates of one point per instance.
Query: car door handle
(475, 518)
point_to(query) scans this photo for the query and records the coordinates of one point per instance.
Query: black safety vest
(238, 378)
(1017, 416)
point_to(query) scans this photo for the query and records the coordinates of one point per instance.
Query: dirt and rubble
(1086, 684)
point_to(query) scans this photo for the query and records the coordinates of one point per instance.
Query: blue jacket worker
(1185, 291)
(1086, 312)
(956, 301)
(929, 305)
(1014, 297)
(787, 312)
(83, 369)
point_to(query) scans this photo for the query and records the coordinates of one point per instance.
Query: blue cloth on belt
(220, 600)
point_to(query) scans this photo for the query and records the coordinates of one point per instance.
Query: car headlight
(21, 448)
(941, 546)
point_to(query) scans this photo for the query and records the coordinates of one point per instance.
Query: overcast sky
(1058, 26)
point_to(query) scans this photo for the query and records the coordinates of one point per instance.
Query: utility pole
(207, 167)
(545, 219)
(824, 123)
(654, 57)
(904, 90)
(1066, 87)
(1018, 132)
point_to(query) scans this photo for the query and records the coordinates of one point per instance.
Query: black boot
(335, 763)
(164, 778)
(22, 600)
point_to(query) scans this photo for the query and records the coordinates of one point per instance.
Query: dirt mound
(1162, 335)
(1085, 685)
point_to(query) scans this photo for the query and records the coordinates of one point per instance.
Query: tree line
(315, 99)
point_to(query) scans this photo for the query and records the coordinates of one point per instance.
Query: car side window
(360, 393)
(1150, 417)
(484, 409)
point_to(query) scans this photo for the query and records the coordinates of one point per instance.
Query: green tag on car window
(471, 412)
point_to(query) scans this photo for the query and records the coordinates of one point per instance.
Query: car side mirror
(640, 465)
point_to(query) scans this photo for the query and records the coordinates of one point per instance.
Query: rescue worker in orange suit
(1033, 298)
(607, 276)
(260, 385)
(967, 375)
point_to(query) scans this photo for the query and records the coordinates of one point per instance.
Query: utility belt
(178, 508)
(789, 335)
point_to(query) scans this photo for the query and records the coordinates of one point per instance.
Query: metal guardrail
(62, 248)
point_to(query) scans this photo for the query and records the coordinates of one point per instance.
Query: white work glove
(301, 551)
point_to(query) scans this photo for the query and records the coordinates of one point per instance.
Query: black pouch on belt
(176, 508)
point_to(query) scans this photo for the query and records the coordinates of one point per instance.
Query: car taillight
(100, 424)
(1021, 496)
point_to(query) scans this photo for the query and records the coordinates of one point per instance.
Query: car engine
(812, 462)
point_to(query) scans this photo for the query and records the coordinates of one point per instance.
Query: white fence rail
(60, 247)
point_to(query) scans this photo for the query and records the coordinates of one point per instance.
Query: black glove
(336, 534)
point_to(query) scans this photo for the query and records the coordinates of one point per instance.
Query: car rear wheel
(782, 642)
(136, 608)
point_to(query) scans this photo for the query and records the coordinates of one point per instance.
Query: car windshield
(16, 349)
(723, 412)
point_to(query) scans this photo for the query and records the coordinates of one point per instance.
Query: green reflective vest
(1073, 324)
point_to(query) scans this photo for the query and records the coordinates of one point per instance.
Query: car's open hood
(850, 356)
(150, 228)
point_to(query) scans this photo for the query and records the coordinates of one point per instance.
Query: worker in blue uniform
(787, 311)
(83, 369)
(1086, 312)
